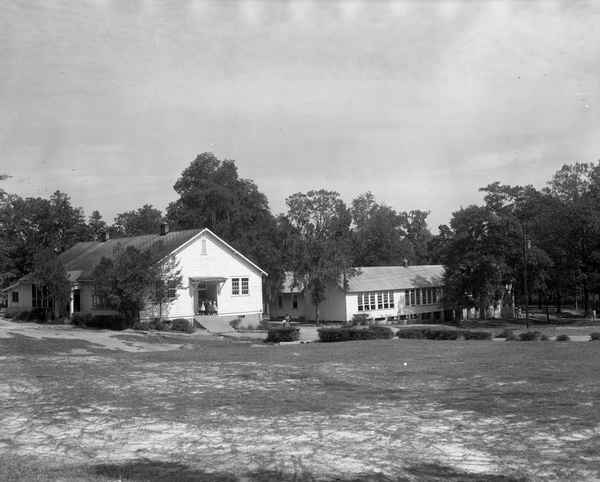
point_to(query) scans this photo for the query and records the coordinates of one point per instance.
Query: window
(172, 290)
(100, 301)
(295, 301)
(280, 301)
(418, 294)
(39, 297)
(235, 286)
(406, 297)
(435, 295)
(375, 300)
(203, 248)
(15, 296)
(412, 297)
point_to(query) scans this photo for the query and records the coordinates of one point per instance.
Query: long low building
(380, 292)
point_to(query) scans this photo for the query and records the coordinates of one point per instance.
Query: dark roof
(85, 256)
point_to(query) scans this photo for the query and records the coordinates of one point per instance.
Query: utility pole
(525, 291)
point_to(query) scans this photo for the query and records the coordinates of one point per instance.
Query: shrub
(412, 333)
(141, 325)
(563, 337)
(382, 332)
(335, 334)
(595, 336)
(107, 322)
(235, 323)
(36, 314)
(360, 319)
(506, 333)
(183, 325)
(477, 335)
(79, 319)
(157, 324)
(8, 315)
(531, 336)
(284, 333)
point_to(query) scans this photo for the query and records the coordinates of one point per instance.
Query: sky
(420, 103)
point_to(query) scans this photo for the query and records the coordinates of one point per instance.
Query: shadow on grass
(153, 471)
(438, 473)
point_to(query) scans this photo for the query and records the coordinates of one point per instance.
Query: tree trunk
(586, 301)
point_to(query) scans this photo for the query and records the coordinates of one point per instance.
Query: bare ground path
(199, 408)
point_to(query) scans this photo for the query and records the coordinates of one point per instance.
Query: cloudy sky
(420, 103)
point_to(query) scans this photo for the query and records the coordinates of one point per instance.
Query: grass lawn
(220, 410)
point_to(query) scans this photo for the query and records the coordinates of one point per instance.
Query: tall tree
(96, 226)
(212, 195)
(378, 235)
(144, 220)
(31, 225)
(476, 271)
(320, 241)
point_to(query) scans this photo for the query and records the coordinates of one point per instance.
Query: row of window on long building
(382, 300)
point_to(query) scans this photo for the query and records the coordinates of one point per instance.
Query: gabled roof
(376, 278)
(85, 256)
(81, 259)
(380, 278)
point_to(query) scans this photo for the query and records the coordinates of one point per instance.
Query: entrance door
(76, 301)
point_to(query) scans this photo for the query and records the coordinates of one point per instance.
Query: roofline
(231, 248)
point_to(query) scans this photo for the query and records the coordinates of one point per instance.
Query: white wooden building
(217, 279)
(380, 292)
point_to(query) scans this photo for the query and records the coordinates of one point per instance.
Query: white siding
(218, 261)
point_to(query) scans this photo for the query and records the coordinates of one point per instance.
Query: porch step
(215, 324)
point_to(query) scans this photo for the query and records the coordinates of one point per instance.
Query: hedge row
(105, 322)
(442, 334)
(36, 314)
(329, 335)
(178, 324)
(283, 333)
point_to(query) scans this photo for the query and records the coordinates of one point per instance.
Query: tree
(320, 241)
(476, 271)
(31, 225)
(212, 195)
(378, 235)
(167, 280)
(133, 279)
(575, 189)
(145, 220)
(50, 278)
(96, 225)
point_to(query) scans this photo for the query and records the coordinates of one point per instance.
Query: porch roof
(207, 279)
